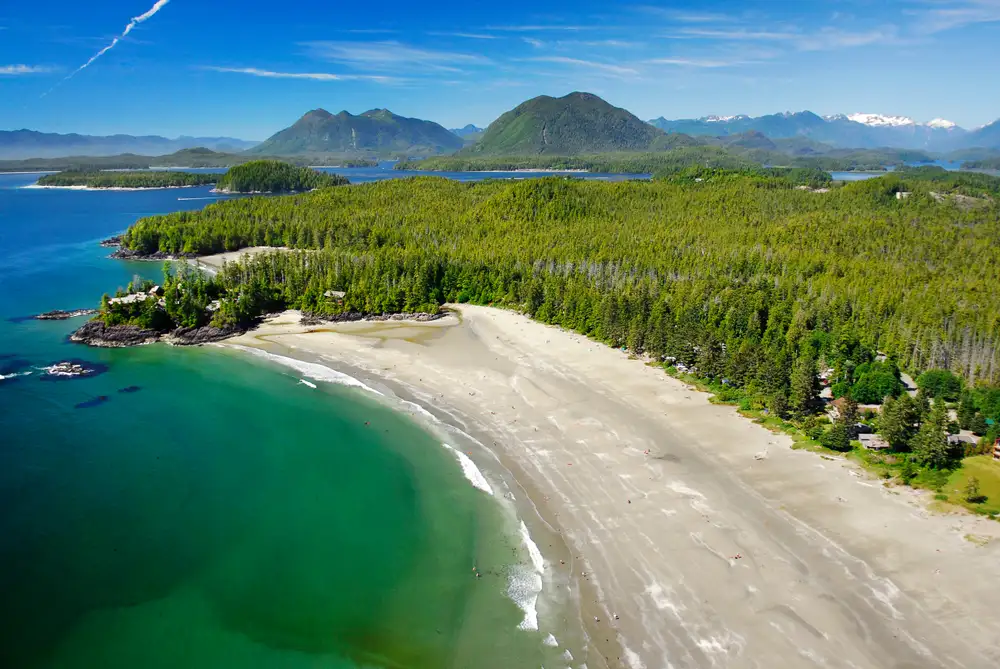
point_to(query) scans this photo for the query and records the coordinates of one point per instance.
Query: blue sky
(249, 68)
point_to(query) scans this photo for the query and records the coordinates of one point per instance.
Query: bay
(199, 507)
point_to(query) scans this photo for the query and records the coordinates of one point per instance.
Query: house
(961, 440)
(836, 407)
(996, 449)
(873, 442)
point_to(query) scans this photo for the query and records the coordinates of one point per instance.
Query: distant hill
(856, 131)
(467, 131)
(377, 131)
(574, 124)
(23, 144)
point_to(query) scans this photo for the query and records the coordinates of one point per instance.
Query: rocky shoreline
(352, 316)
(60, 315)
(96, 333)
(122, 253)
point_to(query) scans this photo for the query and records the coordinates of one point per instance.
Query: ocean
(204, 507)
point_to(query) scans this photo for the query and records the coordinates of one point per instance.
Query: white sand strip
(708, 556)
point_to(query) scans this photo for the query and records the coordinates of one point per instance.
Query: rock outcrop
(60, 315)
(350, 316)
(96, 333)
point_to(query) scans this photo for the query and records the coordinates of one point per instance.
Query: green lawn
(987, 470)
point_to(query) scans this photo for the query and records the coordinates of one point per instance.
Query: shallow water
(200, 507)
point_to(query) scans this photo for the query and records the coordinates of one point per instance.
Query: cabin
(961, 440)
(873, 442)
(335, 295)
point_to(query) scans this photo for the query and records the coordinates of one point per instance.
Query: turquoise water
(223, 514)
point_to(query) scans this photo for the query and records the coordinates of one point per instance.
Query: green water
(225, 514)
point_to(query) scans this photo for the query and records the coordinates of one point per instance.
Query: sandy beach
(687, 535)
(213, 263)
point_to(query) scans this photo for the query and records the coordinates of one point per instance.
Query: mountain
(861, 130)
(574, 124)
(467, 130)
(986, 137)
(377, 131)
(22, 144)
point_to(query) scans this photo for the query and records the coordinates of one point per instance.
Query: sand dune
(708, 555)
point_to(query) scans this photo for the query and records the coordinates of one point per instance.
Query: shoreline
(669, 519)
(35, 186)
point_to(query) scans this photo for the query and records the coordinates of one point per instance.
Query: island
(257, 176)
(127, 180)
(275, 176)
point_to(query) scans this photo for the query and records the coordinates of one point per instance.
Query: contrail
(131, 24)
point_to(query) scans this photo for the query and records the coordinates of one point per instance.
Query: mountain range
(19, 144)
(377, 131)
(856, 131)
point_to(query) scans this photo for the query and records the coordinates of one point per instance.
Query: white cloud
(603, 67)
(687, 17)
(315, 76)
(391, 55)
(464, 35)
(541, 28)
(15, 70)
(699, 62)
(131, 24)
(537, 43)
(736, 35)
(829, 39)
(941, 15)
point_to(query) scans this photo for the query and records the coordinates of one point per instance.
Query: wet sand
(713, 542)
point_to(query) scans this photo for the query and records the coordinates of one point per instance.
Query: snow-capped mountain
(881, 120)
(724, 119)
(856, 131)
(941, 123)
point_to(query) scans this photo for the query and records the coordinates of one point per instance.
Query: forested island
(732, 157)
(752, 282)
(272, 176)
(137, 180)
(259, 176)
(983, 164)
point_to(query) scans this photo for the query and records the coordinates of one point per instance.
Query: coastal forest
(749, 279)
(273, 176)
(144, 179)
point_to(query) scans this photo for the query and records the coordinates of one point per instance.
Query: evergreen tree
(898, 422)
(838, 437)
(966, 411)
(930, 446)
(804, 385)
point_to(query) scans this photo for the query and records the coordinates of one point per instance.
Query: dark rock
(202, 335)
(12, 365)
(60, 315)
(129, 389)
(101, 399)
(112, 242)
(351, 316)
(96, 333)
(129, 254)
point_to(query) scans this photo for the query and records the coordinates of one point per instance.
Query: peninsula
(681, 515)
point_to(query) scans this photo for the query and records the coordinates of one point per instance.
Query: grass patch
(987, 471)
